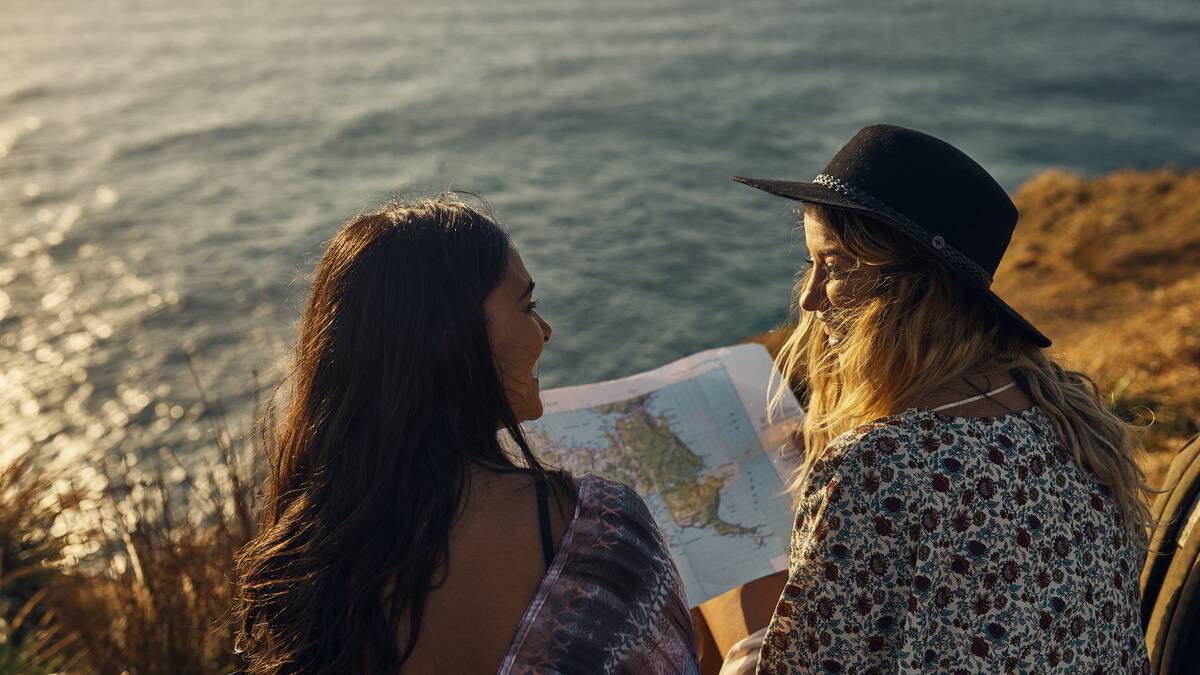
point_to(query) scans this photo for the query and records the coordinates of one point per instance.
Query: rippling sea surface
(170, 170)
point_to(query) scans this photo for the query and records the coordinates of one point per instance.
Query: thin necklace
(1010, 385)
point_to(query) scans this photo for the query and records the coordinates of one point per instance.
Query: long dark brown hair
(392, 394)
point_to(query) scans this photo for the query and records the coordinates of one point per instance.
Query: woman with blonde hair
(965, 504)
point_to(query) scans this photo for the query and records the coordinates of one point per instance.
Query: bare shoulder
(494, 567)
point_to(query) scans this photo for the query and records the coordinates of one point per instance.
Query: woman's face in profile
(835, 282)
(517, 333)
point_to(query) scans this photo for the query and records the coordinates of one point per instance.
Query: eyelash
(834, 271)
(532, 305)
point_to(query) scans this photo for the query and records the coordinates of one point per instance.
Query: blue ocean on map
(169, 171)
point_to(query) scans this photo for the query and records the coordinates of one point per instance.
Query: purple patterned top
(612, 600)
(930, 543)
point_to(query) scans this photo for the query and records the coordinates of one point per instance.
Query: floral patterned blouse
(930, 543)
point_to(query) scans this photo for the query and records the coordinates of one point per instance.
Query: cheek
(848, 291)
(838, 293)
(506, 347)
(517, 346)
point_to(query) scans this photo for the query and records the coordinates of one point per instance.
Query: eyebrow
(832, 251)
(528, 290)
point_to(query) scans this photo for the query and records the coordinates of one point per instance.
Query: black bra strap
(544, 520)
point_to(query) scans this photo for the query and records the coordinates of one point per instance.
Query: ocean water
(170, 169)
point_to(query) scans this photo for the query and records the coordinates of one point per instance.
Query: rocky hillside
(1109, 268)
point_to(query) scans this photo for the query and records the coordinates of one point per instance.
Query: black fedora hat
(929, 190)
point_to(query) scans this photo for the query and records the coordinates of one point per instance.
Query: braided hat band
(950, 254)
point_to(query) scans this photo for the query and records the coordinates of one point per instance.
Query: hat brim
(819, 194)
(805, 192)
(1016, 319)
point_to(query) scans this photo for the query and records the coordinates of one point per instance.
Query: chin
(527, 408)
(534, 413)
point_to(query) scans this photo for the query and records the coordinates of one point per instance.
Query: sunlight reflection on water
(62, 315)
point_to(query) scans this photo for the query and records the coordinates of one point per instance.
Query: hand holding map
(695, 440)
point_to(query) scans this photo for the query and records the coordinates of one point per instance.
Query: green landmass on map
(645, 453)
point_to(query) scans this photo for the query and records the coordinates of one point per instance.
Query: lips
(825, 326)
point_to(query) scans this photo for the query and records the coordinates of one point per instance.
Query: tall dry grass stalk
(31, 552)
(143, 582)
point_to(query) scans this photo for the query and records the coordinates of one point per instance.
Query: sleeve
(852, 552)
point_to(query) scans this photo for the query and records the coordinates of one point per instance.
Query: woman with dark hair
(965, 503)
(400, 533)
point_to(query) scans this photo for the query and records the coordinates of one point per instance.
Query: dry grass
(141, 581)
(31, 641)
(160, 599)
(1109, 268)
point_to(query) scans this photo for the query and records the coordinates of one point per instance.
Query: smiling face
(837, 281)
(518, 334)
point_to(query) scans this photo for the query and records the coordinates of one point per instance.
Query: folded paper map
(693, 438)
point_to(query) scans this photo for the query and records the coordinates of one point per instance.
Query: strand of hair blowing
(393, 392)
(918, 329)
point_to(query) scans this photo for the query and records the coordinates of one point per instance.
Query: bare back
(495, 567)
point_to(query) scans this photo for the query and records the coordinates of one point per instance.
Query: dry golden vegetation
(133, 578)
(1109, 268)
(31, 640)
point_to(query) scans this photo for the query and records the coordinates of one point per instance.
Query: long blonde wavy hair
(919, 328)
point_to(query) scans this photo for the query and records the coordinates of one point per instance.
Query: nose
(547, 331)
(813, 297)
